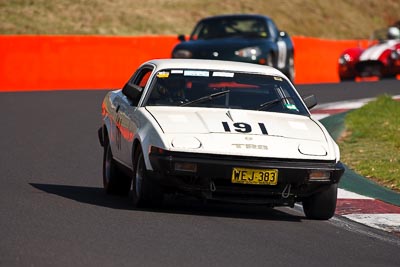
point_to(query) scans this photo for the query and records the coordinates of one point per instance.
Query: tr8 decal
(242, 127)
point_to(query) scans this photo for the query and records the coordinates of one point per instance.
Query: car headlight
(311, 149)
(344, 59)
(187, 142)
(395, 54)
(249, 52)
(182, 53)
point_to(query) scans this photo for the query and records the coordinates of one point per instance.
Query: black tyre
(114, 182)
(145, 191)
(389, 77)
(347, 79)
(322, 205)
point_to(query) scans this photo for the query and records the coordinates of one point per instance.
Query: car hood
(375, 51)
(221, 44)
(241, 132)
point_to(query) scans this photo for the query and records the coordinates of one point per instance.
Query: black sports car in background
(245, 38)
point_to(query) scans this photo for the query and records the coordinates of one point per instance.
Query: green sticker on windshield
(291, 107)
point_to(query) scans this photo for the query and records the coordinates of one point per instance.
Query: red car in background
(381, 59)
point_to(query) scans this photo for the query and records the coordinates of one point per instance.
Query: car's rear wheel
(389, 77)
(145, 191)
(322, 205)
(114, 182)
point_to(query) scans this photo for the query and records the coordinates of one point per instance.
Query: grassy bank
(371, 143)
(340, 19)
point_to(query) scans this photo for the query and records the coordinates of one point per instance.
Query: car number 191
(255, 176)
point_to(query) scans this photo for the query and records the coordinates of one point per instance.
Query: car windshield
(230, 27)
(383, 35)
(220, 89)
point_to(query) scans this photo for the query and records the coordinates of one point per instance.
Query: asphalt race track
(55, 213)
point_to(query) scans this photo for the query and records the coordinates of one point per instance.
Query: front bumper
(369, 68)
(212, 178)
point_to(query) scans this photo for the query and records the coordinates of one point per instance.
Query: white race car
(218, 130)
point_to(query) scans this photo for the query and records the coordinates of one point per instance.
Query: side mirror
(310, 101)
(132, 92)
(181, 38)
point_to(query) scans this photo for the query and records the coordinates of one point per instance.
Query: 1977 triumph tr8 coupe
(218, 130)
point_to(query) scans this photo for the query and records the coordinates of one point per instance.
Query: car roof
(208, 64)
(236, 16)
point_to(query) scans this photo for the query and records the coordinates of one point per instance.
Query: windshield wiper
(272, 102)
(206, 98)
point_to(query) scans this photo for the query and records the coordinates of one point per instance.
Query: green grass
(339, 19)
(371, 143)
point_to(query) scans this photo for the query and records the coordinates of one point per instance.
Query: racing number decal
(242, 127)
(282, 54)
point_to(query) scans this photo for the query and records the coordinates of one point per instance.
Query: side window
(273, 30)
(144, 78)
(135, 86)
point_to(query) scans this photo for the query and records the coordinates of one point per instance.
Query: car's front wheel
(322, 205)
(346, 79)
(114, 182)
(144, 190)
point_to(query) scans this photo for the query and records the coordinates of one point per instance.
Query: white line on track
(389, 222)
(344, 194)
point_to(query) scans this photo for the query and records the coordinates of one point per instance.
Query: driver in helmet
(393, 33)
(171, 90)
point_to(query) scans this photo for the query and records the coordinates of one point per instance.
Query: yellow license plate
(255, 176)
